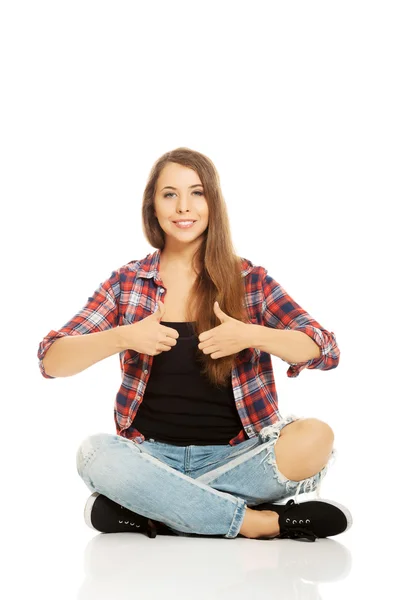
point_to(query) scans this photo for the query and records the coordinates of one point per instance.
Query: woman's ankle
(257, 523)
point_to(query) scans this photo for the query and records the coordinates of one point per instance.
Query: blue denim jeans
(195, 490)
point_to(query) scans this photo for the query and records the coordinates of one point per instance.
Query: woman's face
(185, 201)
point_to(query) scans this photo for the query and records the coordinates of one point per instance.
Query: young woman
(201, 448)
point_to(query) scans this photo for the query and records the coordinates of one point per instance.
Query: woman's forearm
(289, 345)
(72, 354)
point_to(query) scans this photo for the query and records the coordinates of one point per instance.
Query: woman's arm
(91, 335)
(72, 354)
(281, 312)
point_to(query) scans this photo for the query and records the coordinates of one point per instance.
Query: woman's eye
(195, 192)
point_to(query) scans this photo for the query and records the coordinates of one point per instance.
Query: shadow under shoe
(105, 515)
(309, 520)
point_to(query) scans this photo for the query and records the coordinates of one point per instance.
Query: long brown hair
(219, 274)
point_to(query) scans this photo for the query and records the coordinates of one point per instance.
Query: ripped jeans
(195, 490)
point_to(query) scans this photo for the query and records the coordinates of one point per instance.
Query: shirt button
(145, 372)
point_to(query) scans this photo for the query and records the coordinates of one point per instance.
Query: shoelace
(288, 531)
(151, 530)
(143, 524)
(298, 532)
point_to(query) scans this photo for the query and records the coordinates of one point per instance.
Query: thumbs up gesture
(230, 337)
(148, 336)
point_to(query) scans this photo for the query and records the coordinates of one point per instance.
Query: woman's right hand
(148, 336)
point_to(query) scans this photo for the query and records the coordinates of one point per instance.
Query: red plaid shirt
(132, 293)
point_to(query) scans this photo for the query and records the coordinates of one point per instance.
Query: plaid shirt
(132, 293)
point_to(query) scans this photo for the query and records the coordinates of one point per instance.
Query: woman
(201, 448)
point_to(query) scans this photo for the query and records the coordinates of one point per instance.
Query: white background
(297, 104)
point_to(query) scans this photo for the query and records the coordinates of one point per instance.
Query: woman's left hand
(230, 337)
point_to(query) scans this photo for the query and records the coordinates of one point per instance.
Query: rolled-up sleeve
(281, 311)
(100, 312)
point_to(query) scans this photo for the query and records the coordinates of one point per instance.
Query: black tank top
(180, 406)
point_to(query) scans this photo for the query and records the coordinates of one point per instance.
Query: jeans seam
(238, 517)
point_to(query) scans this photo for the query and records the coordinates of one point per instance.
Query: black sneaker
(310, 520)
(107, 516)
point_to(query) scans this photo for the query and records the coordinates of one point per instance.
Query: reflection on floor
(122, 565)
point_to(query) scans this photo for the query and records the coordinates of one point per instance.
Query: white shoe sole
(88, 509)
